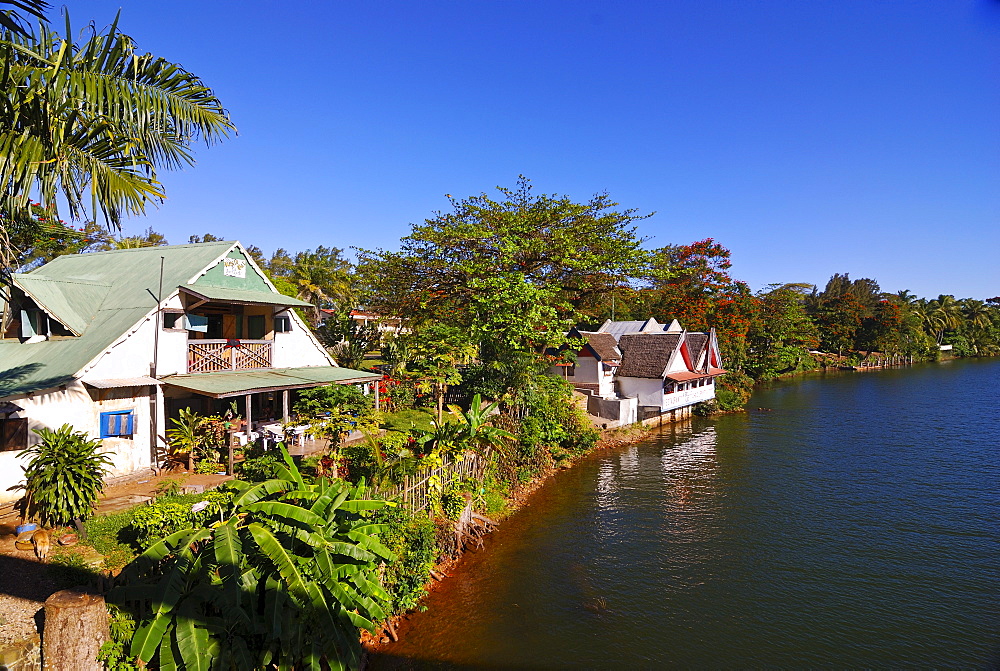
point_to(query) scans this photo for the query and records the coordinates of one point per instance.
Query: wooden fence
(414, 491)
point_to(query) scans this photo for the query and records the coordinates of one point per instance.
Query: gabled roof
(646, 354)
(100, 295)
(618, 329)
(604, 346)
(696, 343)
(72, 303)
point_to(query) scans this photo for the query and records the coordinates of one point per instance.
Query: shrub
(208, 467)
(64, 477)
(257, 469)
(152, 522)
(412, 540)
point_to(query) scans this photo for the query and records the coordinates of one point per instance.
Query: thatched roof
(696, 343)
(604, 346)
(646, 354)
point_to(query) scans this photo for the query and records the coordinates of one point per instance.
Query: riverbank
(812, 535)
(610, 439)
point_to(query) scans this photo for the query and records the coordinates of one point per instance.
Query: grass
(405, 420)
(109, 534)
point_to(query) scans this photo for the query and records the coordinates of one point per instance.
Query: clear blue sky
(808, 137)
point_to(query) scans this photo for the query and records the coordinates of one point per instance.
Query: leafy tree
(285, 579)
(335, 410)
(92, 115)
(435, 351)
(781, 332)
(572, 251)
(348, 339)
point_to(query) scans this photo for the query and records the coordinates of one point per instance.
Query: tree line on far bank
(499, 281)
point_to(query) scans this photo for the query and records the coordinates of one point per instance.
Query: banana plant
(284, 580)
(478, 433)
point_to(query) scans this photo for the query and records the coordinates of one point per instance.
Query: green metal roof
(236, 383)
(101, 316)
(242, 296)
(71, 302)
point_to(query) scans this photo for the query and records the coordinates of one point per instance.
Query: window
(34, 322)
(282, 324)
(114, 424)
(196, 323)
(173, 320)
(255, 327)
(13, 434)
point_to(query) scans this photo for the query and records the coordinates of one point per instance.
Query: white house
(644, 368)
(114, 343)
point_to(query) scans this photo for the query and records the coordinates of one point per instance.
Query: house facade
(644, 369)
(115, 343)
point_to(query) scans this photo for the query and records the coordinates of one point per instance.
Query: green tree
(435, 352)
(573, 251)
(781, 332)
(91, 123)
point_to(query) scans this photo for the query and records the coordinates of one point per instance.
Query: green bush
(208, 467)
(156, 520)
(64, 477)
(168, 515)
(257, 469)
(411, 539)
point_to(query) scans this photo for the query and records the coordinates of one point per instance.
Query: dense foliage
(285, 577)
(89, 123)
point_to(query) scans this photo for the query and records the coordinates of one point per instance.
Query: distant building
(639, 369)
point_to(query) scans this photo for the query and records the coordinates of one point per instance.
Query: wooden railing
(211, 356)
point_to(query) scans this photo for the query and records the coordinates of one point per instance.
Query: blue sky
(808, 137)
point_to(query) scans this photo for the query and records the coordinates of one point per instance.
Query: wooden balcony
(212, 356)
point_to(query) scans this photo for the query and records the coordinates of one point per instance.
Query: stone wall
(23, 656)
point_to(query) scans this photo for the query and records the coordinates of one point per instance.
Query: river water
(853, 522)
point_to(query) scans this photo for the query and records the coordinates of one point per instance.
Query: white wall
(76, 406)
(647, 391)
(298, 348)
(650, 393)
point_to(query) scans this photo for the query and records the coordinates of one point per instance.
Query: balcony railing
(212, 356)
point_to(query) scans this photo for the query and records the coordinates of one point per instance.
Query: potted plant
(64, 476)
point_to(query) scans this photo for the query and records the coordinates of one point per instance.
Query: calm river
(854, 523)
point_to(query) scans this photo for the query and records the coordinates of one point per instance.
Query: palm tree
(947, 313)
(90, 123)
(322, 278)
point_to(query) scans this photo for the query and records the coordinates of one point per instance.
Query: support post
(249, 417)
(285, 415)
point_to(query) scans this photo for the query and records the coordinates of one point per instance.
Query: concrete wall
(647, 391)
(622, 410)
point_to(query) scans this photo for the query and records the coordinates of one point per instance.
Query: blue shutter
(106, 424)
(119, 423)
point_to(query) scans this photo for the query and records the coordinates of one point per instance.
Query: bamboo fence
(414, 490)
